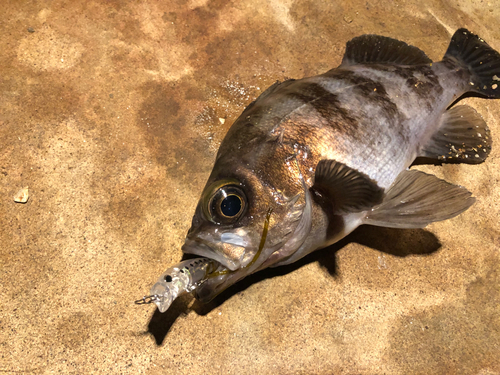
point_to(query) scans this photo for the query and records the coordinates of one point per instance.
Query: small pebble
(22, 195)
(31, 30)
(347, 19)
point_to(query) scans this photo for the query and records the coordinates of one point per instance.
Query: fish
(312, 159)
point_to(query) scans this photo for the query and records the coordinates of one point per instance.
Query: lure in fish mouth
(312, 159)
(190, 276)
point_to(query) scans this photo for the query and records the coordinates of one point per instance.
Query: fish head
(245, 217)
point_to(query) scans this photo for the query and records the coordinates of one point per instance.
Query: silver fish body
(312, 159)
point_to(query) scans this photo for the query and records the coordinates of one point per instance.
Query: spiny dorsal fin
(417, 199)
(462, 136)
(376, 49)
(346, 189)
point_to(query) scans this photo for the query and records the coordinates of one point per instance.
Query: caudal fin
(482, 61)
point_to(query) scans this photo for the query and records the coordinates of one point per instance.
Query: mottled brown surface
(110, 113)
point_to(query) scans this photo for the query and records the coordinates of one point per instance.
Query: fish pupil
(230, 206)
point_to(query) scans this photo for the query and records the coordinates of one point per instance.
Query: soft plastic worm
(180, 279)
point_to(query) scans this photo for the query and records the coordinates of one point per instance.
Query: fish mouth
(202, 249)
(228, 272)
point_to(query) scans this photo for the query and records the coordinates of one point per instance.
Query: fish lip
(202, 249)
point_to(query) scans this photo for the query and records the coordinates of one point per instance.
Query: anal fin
(463, 136)
(417, 199)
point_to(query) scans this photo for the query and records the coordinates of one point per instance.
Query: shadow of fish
(312, 159)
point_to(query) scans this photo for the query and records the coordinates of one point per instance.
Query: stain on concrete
(458, 338)
(74, 330)
(45, 50)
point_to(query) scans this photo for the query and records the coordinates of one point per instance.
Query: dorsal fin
(376, 49)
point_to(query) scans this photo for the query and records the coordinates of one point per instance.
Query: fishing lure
(180, 279)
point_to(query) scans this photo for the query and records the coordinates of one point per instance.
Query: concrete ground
(111, 112)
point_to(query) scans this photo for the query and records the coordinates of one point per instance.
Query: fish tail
(483, 62)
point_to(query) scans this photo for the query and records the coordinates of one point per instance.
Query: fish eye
(227, 204)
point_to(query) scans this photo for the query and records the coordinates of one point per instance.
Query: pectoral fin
(417, 199)
(344, 188)
(463, 136)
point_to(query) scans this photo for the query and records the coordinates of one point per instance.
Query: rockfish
(312, 159)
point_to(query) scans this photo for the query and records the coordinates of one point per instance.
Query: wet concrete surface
(111, 112)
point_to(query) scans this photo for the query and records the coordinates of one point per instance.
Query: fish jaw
(226, 254)
(229, 272)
